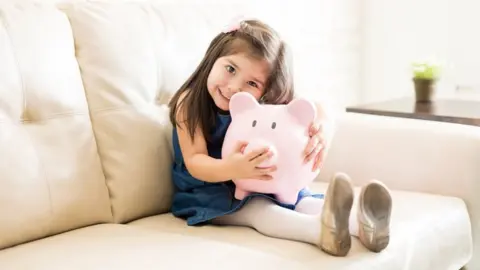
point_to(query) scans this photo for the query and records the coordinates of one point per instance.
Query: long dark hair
(253, 37)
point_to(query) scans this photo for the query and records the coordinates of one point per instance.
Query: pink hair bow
(234, 25)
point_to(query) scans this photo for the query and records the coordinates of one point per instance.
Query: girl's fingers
(239, 146)
(267, 170)
(312, 144)
(314, 129)
(264, 177)
(255, 153)
(314, 153)
(318, 161)
(262, 158)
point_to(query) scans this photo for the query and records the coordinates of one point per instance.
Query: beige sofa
(85, 155)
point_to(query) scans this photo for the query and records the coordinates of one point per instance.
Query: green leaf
(425, 70)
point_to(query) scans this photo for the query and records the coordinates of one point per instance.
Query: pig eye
(254, 123)
(274, 125)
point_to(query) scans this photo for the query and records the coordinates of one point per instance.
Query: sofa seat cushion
(427, 232)
(115, 246)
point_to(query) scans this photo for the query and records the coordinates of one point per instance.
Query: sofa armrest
(407, 154)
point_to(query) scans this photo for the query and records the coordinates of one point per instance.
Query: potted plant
(425, 77)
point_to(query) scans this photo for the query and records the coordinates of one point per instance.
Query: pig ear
(303, 111)
(241, 102)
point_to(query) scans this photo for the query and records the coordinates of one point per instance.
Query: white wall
(358, 51)
(399, 32)
(326, 39)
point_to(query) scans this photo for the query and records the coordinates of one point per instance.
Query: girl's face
(236, 73)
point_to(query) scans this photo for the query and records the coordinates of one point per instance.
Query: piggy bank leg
(240, 194)
(289, 197)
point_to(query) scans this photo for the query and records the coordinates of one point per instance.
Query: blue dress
(199, 202)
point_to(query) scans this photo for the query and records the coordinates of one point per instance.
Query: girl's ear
(241, 102)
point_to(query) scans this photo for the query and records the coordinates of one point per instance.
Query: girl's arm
(195, 153)
(198, 162)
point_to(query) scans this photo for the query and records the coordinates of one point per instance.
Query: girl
(251, 57)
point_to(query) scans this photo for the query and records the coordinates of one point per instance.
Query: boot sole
(378, 207)
(337, 240)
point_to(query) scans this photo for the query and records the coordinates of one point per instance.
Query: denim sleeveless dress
(199, 202)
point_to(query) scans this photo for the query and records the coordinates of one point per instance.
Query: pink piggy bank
(284, 128)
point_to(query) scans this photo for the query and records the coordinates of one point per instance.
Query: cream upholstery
(85, 141)
(117, 51)
(166, 242)
(51, 178)
(128, 247)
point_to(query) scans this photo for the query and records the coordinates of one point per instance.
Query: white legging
(266, 217)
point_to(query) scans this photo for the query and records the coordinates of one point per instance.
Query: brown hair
(254, 38)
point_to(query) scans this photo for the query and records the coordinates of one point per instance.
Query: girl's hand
(315, 147)
(245, 165)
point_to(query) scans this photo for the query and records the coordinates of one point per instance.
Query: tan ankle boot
(335, 236)
(374, 211)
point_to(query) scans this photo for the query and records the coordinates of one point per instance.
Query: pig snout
(258, 144)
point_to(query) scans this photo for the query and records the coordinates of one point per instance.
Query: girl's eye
(253, 84)
(230, 69)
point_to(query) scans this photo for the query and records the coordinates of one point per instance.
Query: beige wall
(398, 32)
(356, 51)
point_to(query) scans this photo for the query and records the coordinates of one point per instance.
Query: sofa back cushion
(51, 178)
(117, 51)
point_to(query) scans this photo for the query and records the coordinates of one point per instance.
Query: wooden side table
(444, 110)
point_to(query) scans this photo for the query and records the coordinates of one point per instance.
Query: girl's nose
(233, 89)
